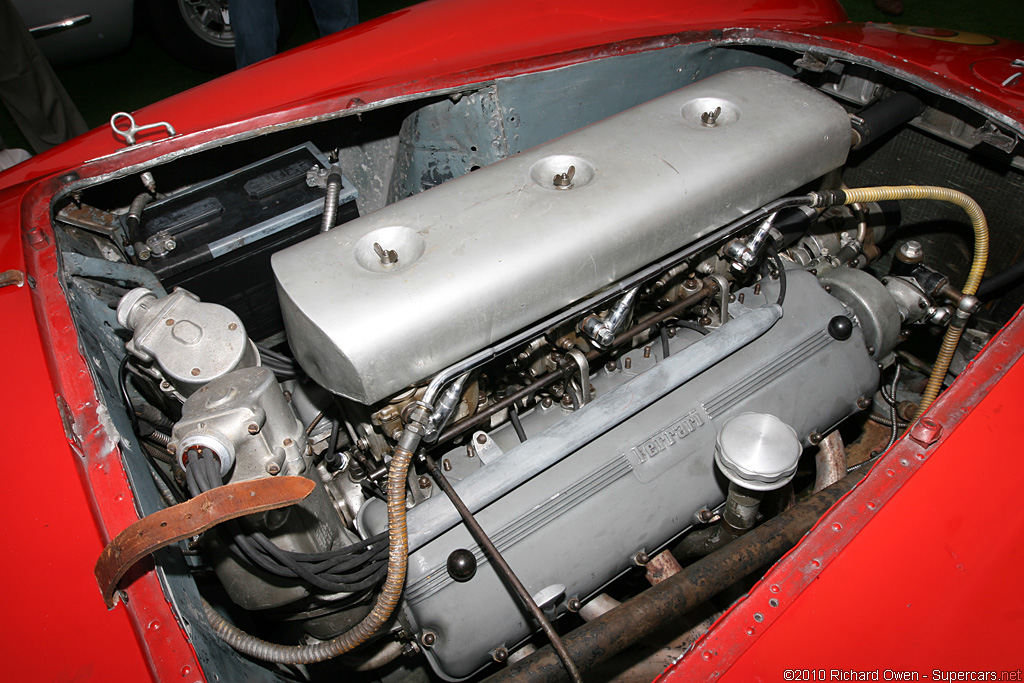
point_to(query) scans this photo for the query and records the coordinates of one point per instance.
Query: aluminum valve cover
(493, 251)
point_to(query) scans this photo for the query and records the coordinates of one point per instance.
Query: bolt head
(573, 604)
(481, 439)
(195, 372)
(273, 468)
(911, 251)
(253, 428)
(424, 482)
(499, 654)
(428, 638)
(926, 431)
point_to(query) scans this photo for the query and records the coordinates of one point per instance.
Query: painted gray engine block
(489, 253)
(571, 530)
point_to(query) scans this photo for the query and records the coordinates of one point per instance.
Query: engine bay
(530, 349)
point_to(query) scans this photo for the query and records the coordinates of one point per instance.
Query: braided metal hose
(980, 226)
(387, 600)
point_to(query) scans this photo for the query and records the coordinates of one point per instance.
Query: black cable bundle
(282, 366)
(356, 567)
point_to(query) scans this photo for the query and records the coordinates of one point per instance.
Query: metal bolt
(499, 654)
(647, 352)
(641, 558)
(195, 372)
(710, 118)
(546, 402)
(232, 326)
(424, 482)
(815, 438)
(563, 181)
(253, 428)
(757, 288)
(428, 638)
(927, 431)
(169, 322)
(446, 465)
(628, 363)
(148, 181)
(387, 256)
(566, 399)
(573, 604)
(610, 366)
(287, 442)
(273, 468)
(863, 403)
(911, 251)
(481, 438)
(705, 515)
(906, 410)
(469, 451)
(170, 245)
(871, 350)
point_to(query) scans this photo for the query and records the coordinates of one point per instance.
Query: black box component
(215, 239)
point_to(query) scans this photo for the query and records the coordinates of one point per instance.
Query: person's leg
(30, 89)
(254, 23)
(334, 15)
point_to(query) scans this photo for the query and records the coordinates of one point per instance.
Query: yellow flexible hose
(387, 600)
(980, 225)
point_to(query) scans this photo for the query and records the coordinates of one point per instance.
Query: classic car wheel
(198, 32)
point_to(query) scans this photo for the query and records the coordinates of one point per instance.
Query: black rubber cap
(840, 327)
(461, 565)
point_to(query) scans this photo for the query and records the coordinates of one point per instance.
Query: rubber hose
(330, 216)
(398, 546)
(980, 226)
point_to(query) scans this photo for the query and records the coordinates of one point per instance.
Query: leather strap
(192, 517)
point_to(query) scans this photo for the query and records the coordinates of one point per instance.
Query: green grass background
(103, 87)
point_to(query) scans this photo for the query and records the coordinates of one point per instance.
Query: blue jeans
(254, 23)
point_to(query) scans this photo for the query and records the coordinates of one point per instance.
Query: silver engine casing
(487, 254)
(577, 526)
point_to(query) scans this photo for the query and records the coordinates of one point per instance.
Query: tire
(196, 33)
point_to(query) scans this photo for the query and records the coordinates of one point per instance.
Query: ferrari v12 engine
(597, 340)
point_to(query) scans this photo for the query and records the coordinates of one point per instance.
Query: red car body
(913, 571)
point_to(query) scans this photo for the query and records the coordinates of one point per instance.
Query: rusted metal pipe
(659, 605)
(830, 461)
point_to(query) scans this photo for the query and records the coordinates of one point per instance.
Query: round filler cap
(757, 451)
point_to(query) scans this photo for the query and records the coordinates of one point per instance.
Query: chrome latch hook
(129, 134)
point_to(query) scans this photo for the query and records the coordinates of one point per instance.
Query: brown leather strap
(194, 516)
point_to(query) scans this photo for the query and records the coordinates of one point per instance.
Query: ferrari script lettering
(677, 431)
